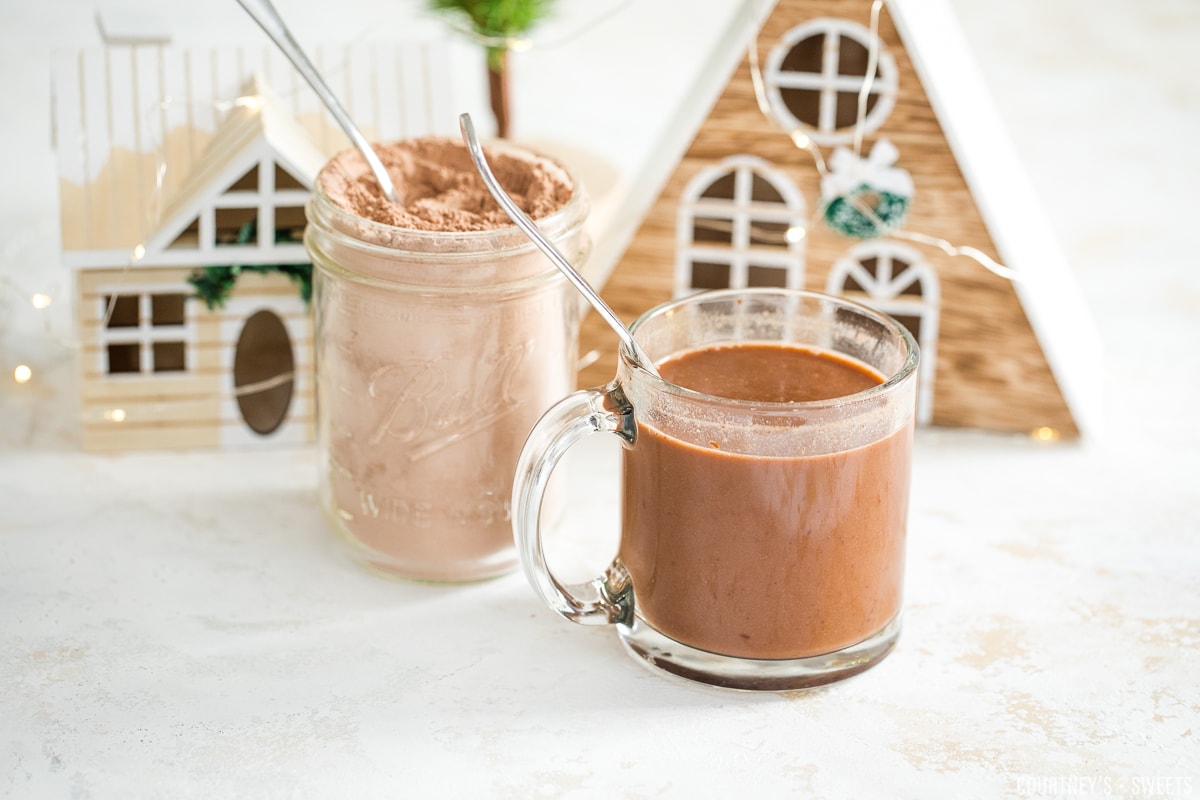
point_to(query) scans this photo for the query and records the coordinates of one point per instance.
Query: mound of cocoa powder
(438, 188)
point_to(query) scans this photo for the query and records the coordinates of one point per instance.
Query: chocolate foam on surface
(439, 189)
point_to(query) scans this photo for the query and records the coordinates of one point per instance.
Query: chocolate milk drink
(765, 557)
(442, 336)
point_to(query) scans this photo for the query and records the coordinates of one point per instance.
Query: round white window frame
(885, 87)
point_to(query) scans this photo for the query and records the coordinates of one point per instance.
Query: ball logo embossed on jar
(418, 408)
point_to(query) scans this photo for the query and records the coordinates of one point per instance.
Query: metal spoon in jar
(264, 13)
(530, 229)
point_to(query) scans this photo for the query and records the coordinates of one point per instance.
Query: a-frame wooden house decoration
(853, 151)
(192, 281)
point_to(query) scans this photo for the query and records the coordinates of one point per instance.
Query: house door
(263, 372)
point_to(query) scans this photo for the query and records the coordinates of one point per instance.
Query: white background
(183, 625)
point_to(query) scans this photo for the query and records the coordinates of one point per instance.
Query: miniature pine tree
(497, 23)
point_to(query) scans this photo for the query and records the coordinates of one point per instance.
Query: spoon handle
(531, 230)
(264, 13)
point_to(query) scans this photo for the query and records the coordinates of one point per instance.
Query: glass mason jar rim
(338, 221)
(906, 372)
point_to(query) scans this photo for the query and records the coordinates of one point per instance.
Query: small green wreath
(845, 214)
(213, 285)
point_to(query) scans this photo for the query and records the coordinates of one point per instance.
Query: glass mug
(762, 542)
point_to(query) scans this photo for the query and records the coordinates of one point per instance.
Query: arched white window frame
(828, 82)
(741, 212)
(885, 291)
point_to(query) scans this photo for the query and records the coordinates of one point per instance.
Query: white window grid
(741, 213)
(146, 334)
(264, 200)
(828, 83)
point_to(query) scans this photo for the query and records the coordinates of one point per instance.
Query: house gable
(992, 369)
(245, 198)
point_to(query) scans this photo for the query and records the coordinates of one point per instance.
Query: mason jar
(436, 352)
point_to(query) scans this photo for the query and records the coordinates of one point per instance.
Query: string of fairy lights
(863, 200)
(22, 368)
(19, 357)
(19, 349)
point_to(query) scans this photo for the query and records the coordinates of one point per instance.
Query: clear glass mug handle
(608, 598)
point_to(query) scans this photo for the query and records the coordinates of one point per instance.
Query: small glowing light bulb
(22, 374)
(40, 301)
(1045, 434)
(115, 414)
(795, 233)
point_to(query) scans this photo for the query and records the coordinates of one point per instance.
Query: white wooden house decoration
(156, 361)
(173, 161)
(749, 190)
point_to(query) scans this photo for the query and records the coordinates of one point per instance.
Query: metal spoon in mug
(269, 20)
(530, 229)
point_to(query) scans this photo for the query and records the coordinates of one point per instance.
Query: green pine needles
(497, 20)
(497, 23)
(213, 285)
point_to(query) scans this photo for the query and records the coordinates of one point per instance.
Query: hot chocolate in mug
(764, 491)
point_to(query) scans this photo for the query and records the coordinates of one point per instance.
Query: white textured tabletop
(183, 625)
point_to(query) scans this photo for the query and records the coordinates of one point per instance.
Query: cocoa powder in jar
(442, 336)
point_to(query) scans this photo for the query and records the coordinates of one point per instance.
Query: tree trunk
(498, 89)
